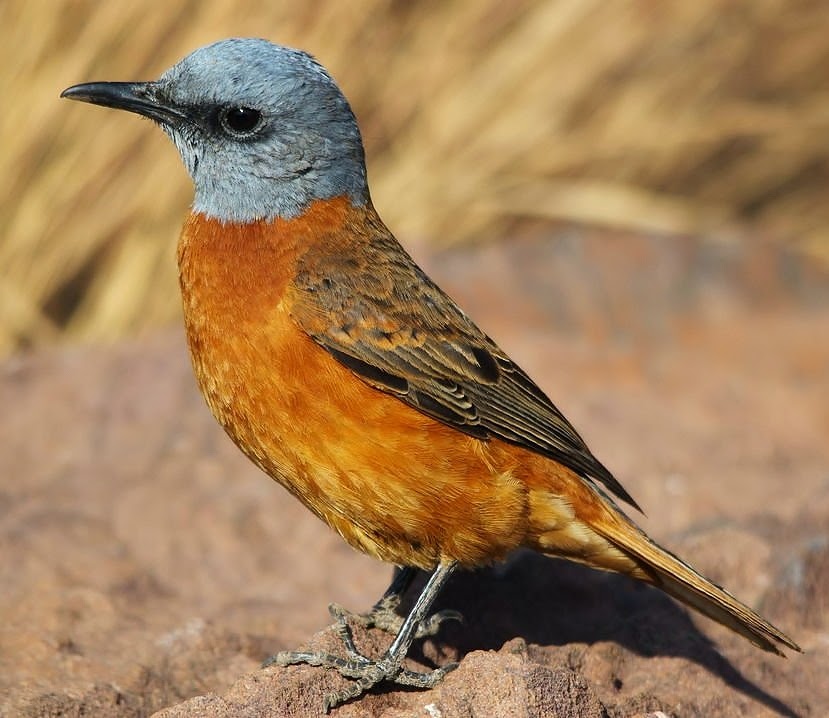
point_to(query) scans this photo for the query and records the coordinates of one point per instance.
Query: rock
(486, 683)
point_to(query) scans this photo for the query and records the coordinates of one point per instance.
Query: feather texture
(358, 305)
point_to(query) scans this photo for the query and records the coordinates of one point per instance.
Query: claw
(367, 673)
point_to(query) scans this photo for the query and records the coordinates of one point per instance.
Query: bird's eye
(240, 121)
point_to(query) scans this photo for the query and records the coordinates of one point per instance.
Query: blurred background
(482, 119)
(629, 196)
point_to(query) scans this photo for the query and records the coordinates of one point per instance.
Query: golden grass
(673, 117)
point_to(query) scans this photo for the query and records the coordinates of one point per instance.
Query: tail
(661, 568)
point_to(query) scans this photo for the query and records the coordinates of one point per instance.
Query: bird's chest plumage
(394, 482)
(247, 356)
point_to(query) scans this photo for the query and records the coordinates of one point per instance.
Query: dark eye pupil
(241, 119)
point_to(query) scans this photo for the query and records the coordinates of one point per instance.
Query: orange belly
(393, 482)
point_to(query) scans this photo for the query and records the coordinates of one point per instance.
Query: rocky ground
(146, 566)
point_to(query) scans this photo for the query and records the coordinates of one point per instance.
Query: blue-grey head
(262, 129)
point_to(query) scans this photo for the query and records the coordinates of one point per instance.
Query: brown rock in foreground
(486, 684)
(145, 565)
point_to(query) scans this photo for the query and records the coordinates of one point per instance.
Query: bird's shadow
(552, 602)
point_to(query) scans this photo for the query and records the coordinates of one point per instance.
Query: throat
(226, 266)
(246, 264)
(235, 275)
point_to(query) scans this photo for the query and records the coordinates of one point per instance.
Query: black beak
(139, 97)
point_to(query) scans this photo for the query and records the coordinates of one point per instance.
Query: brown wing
(383, 318)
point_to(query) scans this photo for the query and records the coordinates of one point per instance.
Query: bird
(347, 375)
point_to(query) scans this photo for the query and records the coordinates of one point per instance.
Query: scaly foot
(366, 672)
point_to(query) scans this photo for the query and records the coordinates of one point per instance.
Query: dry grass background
(663, 116)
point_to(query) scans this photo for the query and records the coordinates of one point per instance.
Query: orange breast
(392, 481)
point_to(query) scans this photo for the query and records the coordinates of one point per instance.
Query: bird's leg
(383, 614)
(367, 672)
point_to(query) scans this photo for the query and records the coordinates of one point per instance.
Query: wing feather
(393, 327)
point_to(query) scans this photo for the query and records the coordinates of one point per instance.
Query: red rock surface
(147, 566)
